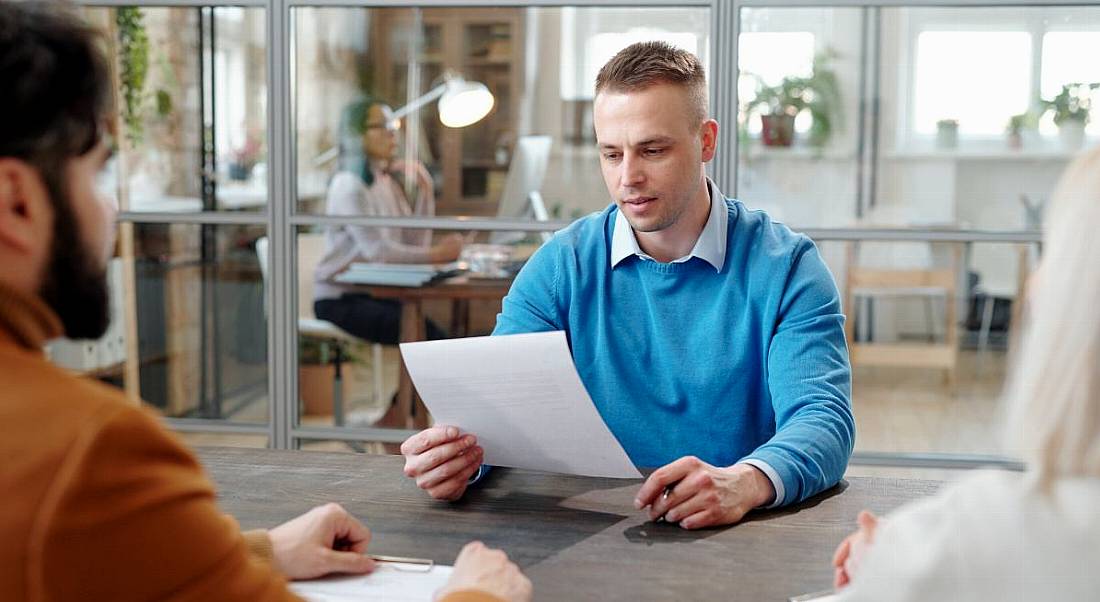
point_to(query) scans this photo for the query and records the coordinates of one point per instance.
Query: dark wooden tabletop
(577, 538)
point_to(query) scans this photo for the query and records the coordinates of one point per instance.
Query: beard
(74, 286)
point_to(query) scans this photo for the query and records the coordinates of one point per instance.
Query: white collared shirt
(710, 246)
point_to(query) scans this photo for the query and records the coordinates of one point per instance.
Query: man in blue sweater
(709, 337)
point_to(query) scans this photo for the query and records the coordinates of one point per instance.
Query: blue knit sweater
(748, 363)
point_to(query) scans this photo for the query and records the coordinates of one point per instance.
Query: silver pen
(423, 564)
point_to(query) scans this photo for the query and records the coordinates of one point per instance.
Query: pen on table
(664, 496)
(426, 563)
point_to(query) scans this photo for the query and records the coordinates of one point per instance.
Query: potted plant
(317, 377)
(947, 134)
(244, 158)
(1018, 128)
(819, 94)
(134, 59)
(316, 373)
(1071, 112)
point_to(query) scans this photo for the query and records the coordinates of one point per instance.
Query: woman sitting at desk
(368, 184)
(1016, 536)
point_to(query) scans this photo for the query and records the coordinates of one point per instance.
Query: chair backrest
(895, 255)
(310, 248)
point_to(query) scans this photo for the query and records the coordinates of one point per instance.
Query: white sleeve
(348, 195)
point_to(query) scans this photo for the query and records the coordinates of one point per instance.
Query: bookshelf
(481, 44)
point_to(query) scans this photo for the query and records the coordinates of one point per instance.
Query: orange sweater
(98, 501)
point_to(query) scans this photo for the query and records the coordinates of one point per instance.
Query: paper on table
(822, 596)
(393, 582)
(521, 395)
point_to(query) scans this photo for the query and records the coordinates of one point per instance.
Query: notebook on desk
(397, 274)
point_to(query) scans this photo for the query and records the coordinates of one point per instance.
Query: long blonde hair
(1053, 399)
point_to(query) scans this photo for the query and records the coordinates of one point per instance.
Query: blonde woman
(1017, 536)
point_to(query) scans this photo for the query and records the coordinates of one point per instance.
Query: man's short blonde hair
(645, 64)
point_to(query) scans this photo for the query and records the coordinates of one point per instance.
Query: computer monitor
(520, 197)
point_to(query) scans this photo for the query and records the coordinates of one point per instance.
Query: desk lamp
(461, 102)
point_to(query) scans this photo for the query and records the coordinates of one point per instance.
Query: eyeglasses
(391, 125)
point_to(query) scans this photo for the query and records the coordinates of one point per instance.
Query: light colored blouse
(344, 245)
(988, 537)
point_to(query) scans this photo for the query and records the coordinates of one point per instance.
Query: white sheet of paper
(522, 397)
(827, 596)
(390, 581)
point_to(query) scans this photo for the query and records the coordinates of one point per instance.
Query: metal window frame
(282, 220)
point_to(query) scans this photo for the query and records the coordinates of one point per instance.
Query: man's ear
(25, 210)
(708, 133)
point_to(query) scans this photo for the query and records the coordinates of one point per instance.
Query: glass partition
(916, 144)
(539, 65)
(349, 326)
(192, 106)
(929, 326)
(196, 302)
(928, 123)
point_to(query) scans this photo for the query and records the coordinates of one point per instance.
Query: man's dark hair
(57, 98)
(645, 64)
(55, 106)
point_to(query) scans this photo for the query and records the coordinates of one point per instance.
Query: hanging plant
(133, 51)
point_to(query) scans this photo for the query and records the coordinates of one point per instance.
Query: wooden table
(577, 538)
(460, 290)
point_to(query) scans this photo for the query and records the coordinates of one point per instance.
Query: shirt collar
(710, 246)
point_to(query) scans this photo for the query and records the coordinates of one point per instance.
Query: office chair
(310, 247)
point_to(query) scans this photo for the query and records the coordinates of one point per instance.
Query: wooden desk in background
(460, 290)
(577, 538)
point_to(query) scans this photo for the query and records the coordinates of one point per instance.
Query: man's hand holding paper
(513, 401)
(442, 459)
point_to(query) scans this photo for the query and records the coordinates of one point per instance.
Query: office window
(194, 107)
(977, 78)
(591, 36)
(584, 52)
(189, 327)
(201, 321)
(768, 57)
(1069, 57)
(240, 94)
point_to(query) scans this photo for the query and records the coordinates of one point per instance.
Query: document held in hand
(522, 397)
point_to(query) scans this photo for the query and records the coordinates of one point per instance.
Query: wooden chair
(928, 282)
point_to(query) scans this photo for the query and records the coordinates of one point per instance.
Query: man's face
(652, 150)
(74, 284)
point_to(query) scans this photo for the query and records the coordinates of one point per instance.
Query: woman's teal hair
(353, 123)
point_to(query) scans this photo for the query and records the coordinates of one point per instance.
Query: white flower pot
(1072, 134)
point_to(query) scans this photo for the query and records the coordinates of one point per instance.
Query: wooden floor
(897, 410)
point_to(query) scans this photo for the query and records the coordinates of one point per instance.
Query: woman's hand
(447, 249)
(851, 551)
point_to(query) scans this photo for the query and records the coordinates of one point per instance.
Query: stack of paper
(390, 274)
(392, 582)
